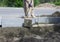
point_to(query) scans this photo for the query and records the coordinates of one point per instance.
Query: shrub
(57, 3)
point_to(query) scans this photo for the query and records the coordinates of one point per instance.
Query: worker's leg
(25, 8)
(31, 13)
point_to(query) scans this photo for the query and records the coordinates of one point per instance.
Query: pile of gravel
(46, 5)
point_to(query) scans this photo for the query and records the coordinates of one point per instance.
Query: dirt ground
(19, 34)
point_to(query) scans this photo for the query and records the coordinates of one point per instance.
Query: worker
(28, 7)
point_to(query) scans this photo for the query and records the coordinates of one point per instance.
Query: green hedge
(57, 3)
(19, 3)
(15, 3)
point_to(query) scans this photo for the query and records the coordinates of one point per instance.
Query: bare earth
(17, 34)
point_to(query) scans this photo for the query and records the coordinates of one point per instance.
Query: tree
(14, 3)
(10, 3)
(36, 2)
(19, 3)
